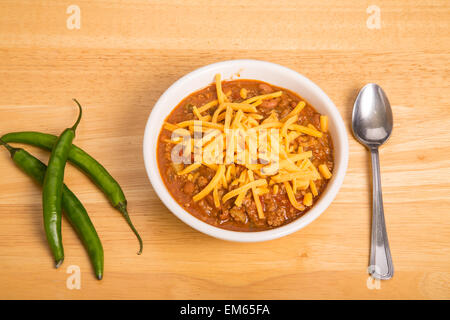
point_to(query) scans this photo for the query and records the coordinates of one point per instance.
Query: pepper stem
(74, 127)
(11, 150)
(123, 210)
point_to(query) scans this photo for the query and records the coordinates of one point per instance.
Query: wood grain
(123, 58)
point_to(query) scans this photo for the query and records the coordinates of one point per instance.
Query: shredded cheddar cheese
(251, 165)
(292, 198)
(307, 199)
(313, 188)
(243, 93)
(220, 94)
(244, 188)
(216, 197)
(190, 168)
(296, 110)
(324, 123)
(306, 130)
(199, 123)
(275, 189)
(170, 126)
(256, 196)
(208, 106)
(211, 185)
(324, 171)
(264, 96)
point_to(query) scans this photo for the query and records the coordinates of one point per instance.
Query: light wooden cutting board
(123, 57)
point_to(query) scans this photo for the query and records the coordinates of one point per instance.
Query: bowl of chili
(241, 202)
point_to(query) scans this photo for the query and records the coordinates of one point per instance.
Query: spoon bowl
(372, 120)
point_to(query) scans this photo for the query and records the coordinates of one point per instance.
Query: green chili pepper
(72, 207)
(91, 167)
(52, 190)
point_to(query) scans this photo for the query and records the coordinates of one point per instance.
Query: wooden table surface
(123, 57)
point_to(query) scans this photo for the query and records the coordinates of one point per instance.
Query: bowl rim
(151, 163)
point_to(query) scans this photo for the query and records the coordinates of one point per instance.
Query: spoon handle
(381, 266)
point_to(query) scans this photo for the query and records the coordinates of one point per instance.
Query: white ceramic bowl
(246, 69)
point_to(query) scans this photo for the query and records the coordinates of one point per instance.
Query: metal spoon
(372, 125)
